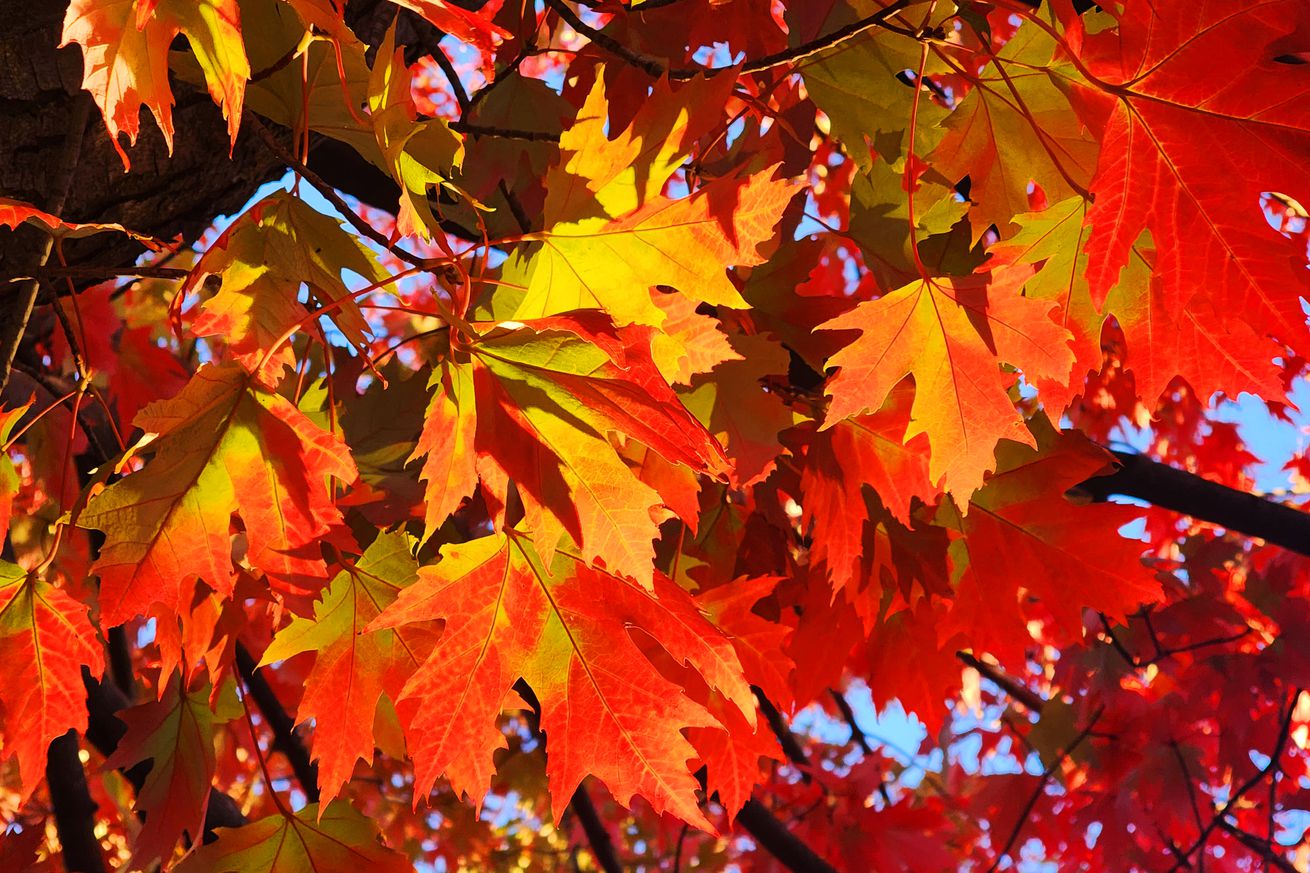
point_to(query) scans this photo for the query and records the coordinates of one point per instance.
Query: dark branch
(92, 271)
(1171, 488)
(75, 811)
(841, 34)
(655, 68)
(857, 734)
(285, 739)
(637, 59)
(1011, 686)
(1258, 847)
(104, 731)
(602, 846)
(474, 129)
(782, 844)
(791, 746)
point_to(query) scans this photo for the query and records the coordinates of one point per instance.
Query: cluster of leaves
(721, 356)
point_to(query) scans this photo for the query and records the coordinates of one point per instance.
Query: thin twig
(655, 68)
(1258, 847)
(857, 733)
(1275, 758)
(1118, 646)
(677, 849)
(330, 194)
(1187, 780)
(1006, 683)
(1041, 787)
(474, 129)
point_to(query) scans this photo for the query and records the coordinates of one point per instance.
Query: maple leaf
(880, 222)
(447, 444)
(326, 86)
(223, 445)
(757, 641)
(337, 837)
(732, 755)
(611, 234)
(417, 154)
(740, 411)
(688, 343)
(352, 669)
(864, 449)
(1074, 556)
(14, 213)
(828, 628)
(46, 639)
(144, 372)
(1016, 127)
(176, 734)
(1211, 351)
(125, 46)
(597, 175)
(1190, 145)
(469, 26)
(858, 84)
(951, 335)
(594, 235)
(262, 259)
(565, 629)
(909, 660)
(687, 243)
(544, 396)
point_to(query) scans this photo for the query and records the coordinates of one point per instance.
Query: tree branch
(92, 271)
(641, 61)
(655, 68)
(285, 739)
(602, 845)
(104, 731)
(1275, 761)
(75, 811)
(778, 841)
(1258, 847)
(1041, 786)
(841, 34)
(857, 733)
(1172, 488)
(791, 746)
(474, 129)
(1011, 686)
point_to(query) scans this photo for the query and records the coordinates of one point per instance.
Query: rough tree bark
(166, 196)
